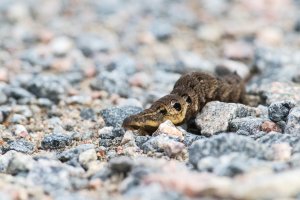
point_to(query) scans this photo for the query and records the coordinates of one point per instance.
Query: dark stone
(55, 141)
(47, 87)
(121, 164)
(279, 111)
(297, 26)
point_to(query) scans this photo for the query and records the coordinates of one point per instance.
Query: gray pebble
(250, 124)
(278, 111)
(20, 145)
(114, 116)
(293, 121)
(225, 144)
(55, 141)
(87, 114)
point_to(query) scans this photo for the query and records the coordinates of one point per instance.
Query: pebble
(215, 116)
(269, 126)
(114, 116)
(91, 44)
(163, 143)
(250, 124)
(55, 141)
(88, 114)
(61, 45)
(121, 164)
(238, 50)
(113, 82)
(293, 121)
(282, 151)
(162, 30)
(86, 157)
(20, 163)
(20, 145)
(234, 67)
(47, 87)
(20, 131)
(209, 32)
(227, 143)
(3, 98)
(278, 111)
(168, 128)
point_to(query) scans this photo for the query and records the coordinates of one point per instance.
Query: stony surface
(71, 71)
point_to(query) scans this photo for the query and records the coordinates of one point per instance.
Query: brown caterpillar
(190, 93)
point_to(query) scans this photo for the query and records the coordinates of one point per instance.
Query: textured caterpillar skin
(190, 93)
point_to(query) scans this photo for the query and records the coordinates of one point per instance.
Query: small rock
(55, 141)
(128, 138)
(17, 119)
(90, 45)
(113, 82)
(234, 66)
(193, 62)
(18, 93)
(215, 116)
(140, 140)
(238, 51)
(3, 98)
(225, 144)
(168, 128)
(86, 157)
(278, 111)
(87, 114)
(163, 143)
(74, 153)
(121, 164)
(20, 131)
(249, 124)
(293, 121)
(140, 79)
(4, 75)
(210, 33)
(20, 163)
(282, 151)
(162, 30)
(269, 36)
(79, 99)
(189, 138)
(20, 145)
(60, 46)
(269, 126)
(47, 87)
(115, 116)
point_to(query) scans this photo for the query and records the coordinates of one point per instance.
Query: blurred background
(121, 48)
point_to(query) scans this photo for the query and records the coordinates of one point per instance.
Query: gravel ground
(71, 71)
